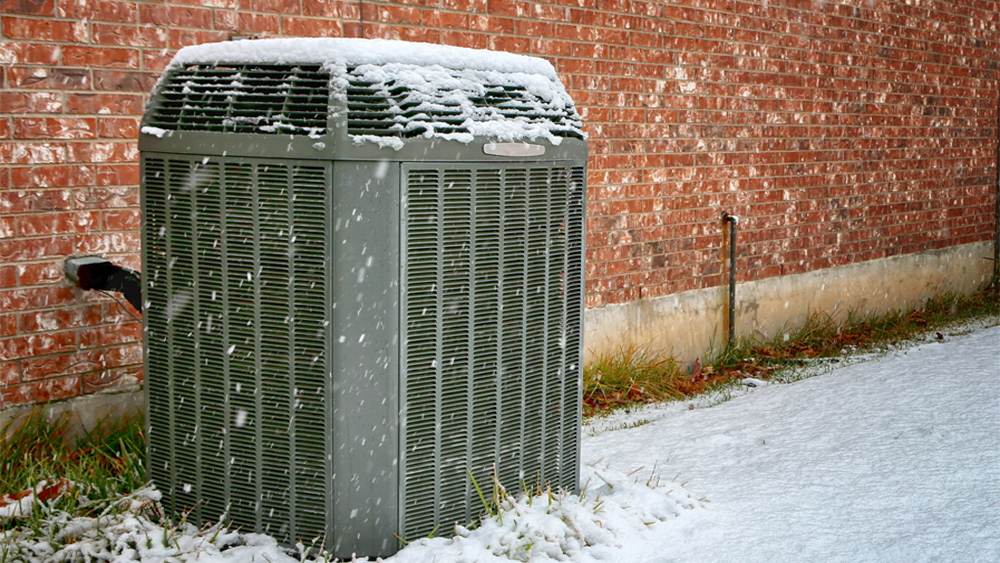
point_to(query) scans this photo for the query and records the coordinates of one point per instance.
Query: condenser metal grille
(492, 302)
(236, 259)
(382, 105)
(272, 99)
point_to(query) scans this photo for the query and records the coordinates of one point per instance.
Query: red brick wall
(839, 131)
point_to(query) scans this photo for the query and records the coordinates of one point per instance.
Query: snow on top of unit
(450, 93)
(438, 100)
(353, 52)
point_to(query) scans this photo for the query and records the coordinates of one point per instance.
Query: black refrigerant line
(732, 220)
(94, 272)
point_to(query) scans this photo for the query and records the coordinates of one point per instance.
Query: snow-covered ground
(887, 460)
(890, 460)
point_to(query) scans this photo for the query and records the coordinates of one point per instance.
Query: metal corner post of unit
(360, 297)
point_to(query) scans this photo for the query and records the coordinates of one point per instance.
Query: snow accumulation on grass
(613, 510)
(896, 458)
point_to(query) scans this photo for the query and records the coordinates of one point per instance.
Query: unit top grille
(250, 98)
(387, 100)
(406, 101)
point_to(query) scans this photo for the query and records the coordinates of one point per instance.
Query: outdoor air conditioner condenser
(363, 271)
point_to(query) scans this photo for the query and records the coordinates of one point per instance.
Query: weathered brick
(30, 102)
(34, 201)
(419, 34)
(61, 365)
(175, 16)
(62, 319)
(37, 273)
(35, 249)
(124, 80)
(19, 299)
(44, 30)
(52, 176)
(40, 391)
(231, 4)
(112, 380)
(187, 37)
(21, 52)
(100, 56)
(118, 128)
(247, 23)
(389, 14)
(450, 20)
(54, 128)
(48, 78)
(311, 27)
(102, 151)
(373, 30)
(353, 29)
(42, 224)
(37, 345)
(28, 7)
(117, 175)
(110, 335)
(146, 35)
(10, 373)
(119, 355)
(476, 6)
(465, 39)
(105, 197)
(159, 59)
(122, 220)
(333, 9)
(7, 226)
(99, 10)
(8, 276)
(278, 6)
(102, 103)
(115, 242)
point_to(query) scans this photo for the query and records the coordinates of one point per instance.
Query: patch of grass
(81, 478)
(634, 375)
(628, 376)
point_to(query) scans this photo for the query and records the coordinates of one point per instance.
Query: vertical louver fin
(488, 305)
(270, 99)
(235, 263)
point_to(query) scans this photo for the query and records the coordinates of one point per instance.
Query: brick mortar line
(791, 150)
(862, 229)
(858, 229)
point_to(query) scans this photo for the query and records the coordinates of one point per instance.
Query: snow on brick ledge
(392, 90)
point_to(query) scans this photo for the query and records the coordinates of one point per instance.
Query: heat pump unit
(363, 267)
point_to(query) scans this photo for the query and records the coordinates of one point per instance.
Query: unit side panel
(491, 312)
(237, 339)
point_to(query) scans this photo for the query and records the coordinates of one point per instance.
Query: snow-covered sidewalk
(896, 459)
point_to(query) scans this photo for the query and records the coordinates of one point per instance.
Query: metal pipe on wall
(732, 220)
